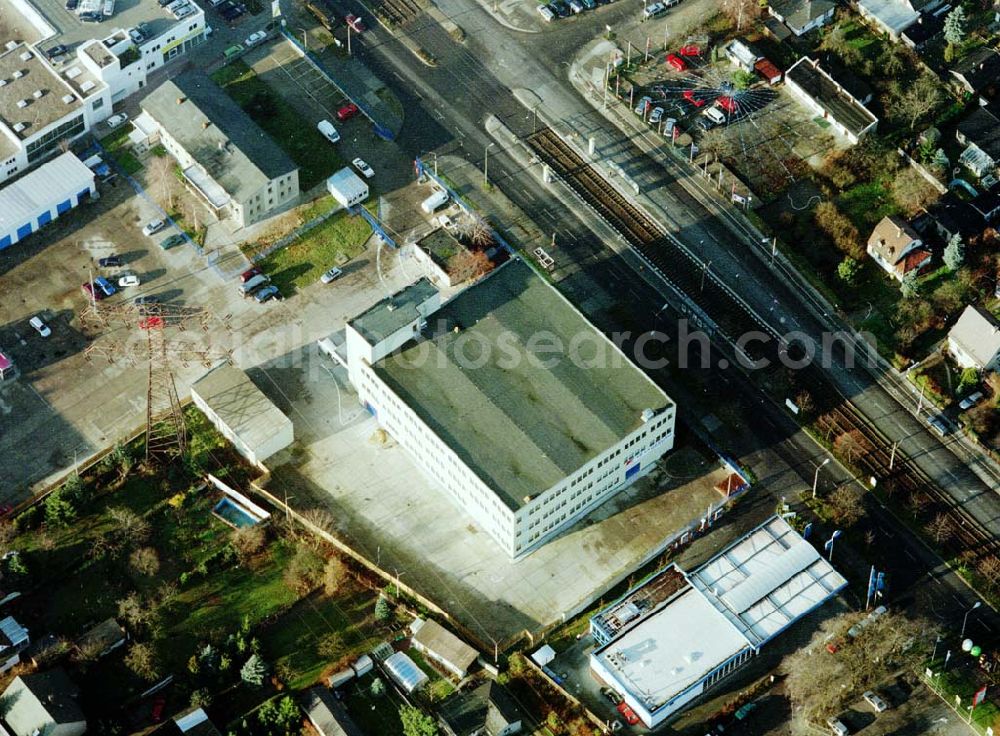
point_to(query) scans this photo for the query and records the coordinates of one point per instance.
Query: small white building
(974, 341)
(347, 188)
(819, 92)
(242, 413)
(40, 196)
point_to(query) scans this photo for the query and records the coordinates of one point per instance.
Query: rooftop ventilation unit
(26, 56)
(22, 104)
(68, 99)
(87, 86)
(73, 72)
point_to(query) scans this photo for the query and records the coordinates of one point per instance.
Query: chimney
(180, 100)
(205, 124)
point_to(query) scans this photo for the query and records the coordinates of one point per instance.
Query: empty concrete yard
(392, 513)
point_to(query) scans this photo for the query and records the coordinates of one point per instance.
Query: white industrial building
(45, 102)
(347, 188)
(41, 196)
(667, 641)
(524, 413)
(242, 413)
(224, 156)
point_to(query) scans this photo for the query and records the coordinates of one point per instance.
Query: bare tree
(911, 191)
(940, 528)
(469, 264)
(476, 229)
(918, 503)
(741, 11)
(248, 542)
(145, 561)
(915, 100)
(161, 174)
(335, 575)
(846, 505)
(141, 659)
(129, 526)
(989, 569)
(849, 444)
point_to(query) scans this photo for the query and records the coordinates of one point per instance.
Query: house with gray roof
(979, 132)
(327, 715)
(802, 16)
(489, 710)
(979, 72)
(830, 98)
(224, 155)
(974, 341)
(43, 703)
(440, 645)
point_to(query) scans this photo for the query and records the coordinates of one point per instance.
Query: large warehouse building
(509, 398)
(242, 413)
(668, 640)
(41, 196)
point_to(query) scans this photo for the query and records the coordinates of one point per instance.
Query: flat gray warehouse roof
(240, 405)
(476, 377)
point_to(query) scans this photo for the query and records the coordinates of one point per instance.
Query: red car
(249, 274)
(676, 62)
(628, 714)
(688, 95)
(92, 293)
(347, 112)
(690, 50)
(728, 104)
(355, 23)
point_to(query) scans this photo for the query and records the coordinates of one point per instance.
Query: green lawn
(116, 144)
(333, 242)
(374, 714)
(439, 686)
(306, 146)
(866, 204)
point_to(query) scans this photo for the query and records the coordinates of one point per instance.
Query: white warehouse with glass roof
(666, 641)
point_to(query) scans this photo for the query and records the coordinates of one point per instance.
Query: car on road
(877, 704)
(640, 108)
(40, 327)
(332, 275)
(267, 293)
(653, 10)
(676, 62)
(690, 96)
(172, 242)
(110, 262)
(254, 39)
(354, 23)
(329, 132)
(116, 121)
(249, 274)
(547, 13)
(363, 167)
(939, 424)
(128, 279)
(103, 285)
(970, 401)
(153, 227)
(57, 50)
(347, 112)
(90, 17)
(656, 115)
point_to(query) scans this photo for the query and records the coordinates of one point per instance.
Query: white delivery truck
(434, 202)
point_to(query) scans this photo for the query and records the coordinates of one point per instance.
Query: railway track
(875, 455)
(399, 12)
(662, 253)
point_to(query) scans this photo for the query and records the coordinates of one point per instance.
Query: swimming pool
(234, 514)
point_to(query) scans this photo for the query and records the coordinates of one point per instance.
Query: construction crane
(140, 333)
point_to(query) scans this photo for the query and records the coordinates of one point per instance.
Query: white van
(109, 8)
(329, 132)
(837, 728)
(249, 285)
(715, 115)
(434, 202)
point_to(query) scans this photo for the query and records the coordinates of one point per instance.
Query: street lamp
(965, 620)
(486, 165)
(816, 476)
(704, 272)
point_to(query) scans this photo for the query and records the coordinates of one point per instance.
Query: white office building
(44, 102)
(41, 196)
(523, 412)
(669, 640)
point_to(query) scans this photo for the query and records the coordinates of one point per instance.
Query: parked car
(653, 10)
(656, 115)
(57, 50)
(363, 167)
(676, 62)
(329, 132)
(128, 279)
(103, 285)
(153, 227)
(640, 108)
(110, 262)
(40, 327)
(547, 13)
(249, 274)
(576, 6)
(837, 727)
(970, 401)
(668, 126)
(72, 5)
(877, 704)
(611, 695)
(232, 52)
(248, 287)
(560, 7)
(355, 23)
(727, 103)
(589, 4)
(172, 242)
(690, 96)
(90, 292)
(141, 301)
(90, 17)
(332, 275)
(116, 121)
(254, 39)
(267, 293)
(628, 714)
(347, 112)
(691, 49)
(938, 424)
(711, 117)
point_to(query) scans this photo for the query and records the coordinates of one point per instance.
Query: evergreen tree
(254, 671)
(910, 286)
(954, 26)
(382, 610)
(954, 252)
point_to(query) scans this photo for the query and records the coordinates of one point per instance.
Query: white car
(546, 12)
(640, 108)
(128, 279)
(255, 38)
(651, 11)
(332, 275)
(364, 168)
(116, 121)
(875, 701)
(151, 228)
(970, 401)
(655, 115)
(329, 132)
(40, 327)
